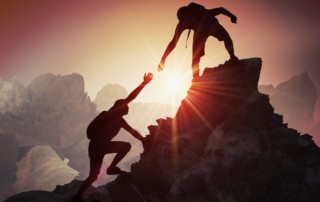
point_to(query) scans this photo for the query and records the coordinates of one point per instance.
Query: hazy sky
(117, 41)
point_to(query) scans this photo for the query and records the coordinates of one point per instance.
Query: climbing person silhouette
(101, 131)
(204, 24)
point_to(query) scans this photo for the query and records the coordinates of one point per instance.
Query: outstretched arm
(132, 131)
(146, 79)
(171, 45)
(221, 10)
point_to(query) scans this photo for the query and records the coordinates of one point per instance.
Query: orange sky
(118, 41)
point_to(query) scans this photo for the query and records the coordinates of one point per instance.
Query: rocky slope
(224, 144)
(42, 169)
(140, 116)
(52, 110)
(295, 99)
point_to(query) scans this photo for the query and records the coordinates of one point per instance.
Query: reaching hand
(161, 66)
(234, 19)
(147, 78)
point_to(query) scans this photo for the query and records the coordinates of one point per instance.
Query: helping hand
(234, 19)
(161, 66)
(147, 78)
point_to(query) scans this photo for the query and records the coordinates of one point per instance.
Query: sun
(174, 87)
(173, 83)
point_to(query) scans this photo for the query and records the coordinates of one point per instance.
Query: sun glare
(174, 87)
(173, 83)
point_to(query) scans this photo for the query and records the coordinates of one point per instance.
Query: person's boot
(77, 198)
(234, 58)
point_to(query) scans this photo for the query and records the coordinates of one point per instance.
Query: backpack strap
(188, 37)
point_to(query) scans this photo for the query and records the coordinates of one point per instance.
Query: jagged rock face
(314, 130)
(211, 99)
(225, 144)
(246, 159)
(55, 110)
(10, 93)
(295, 100)
(52, 110)
(42, 169)
(59, 110)
(219, 91)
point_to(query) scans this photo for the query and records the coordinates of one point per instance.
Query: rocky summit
(225, 143)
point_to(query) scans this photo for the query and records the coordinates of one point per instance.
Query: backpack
(196, 13)
(97, 124)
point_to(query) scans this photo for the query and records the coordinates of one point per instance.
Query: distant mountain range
(51, 114)
(225, 143)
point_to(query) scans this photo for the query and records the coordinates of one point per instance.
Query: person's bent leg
(121, 148)
(85, 185)
(229, 46)
(195, 67)
(223, 35)
(95, 166)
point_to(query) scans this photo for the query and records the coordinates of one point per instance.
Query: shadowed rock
(224, 144)
(295, 99)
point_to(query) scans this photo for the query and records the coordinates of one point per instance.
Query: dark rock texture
(295, 99)
(224, 144)
(42, 169)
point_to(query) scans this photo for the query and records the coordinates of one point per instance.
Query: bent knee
(127, 146)
(93, 177)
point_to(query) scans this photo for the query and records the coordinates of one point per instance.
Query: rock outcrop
(295, 99)
(58, 110)
(42, 169)
(224, 144)
(10, 93)
(52, 110)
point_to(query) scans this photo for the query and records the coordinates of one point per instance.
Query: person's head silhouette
(120, 107)
(182, 13)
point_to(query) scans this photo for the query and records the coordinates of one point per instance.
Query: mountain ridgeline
(225, 143)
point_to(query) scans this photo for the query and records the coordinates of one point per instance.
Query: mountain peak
(225, 135)
(225, 143)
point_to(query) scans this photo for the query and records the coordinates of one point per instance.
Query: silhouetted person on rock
(204, 24)
(101, 131)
